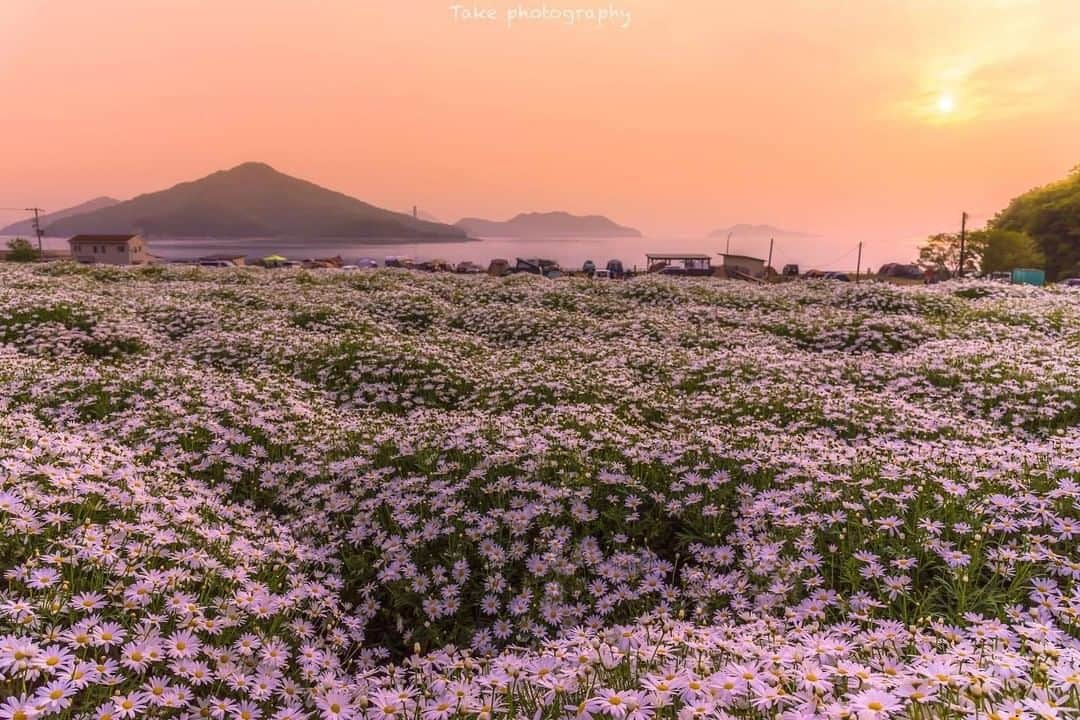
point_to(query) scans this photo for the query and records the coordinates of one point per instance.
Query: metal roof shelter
(679, 263)
(678, 256)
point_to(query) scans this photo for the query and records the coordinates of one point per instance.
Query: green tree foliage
(1007, 250)
(20, 250)
(1051, 215)
(943, 251)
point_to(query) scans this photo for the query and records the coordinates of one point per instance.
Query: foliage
(1005, 250)
(1051, 215)
(20, 250)
(943, 251)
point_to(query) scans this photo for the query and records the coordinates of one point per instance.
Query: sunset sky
(856, 119)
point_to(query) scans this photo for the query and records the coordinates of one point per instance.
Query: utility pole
(769, 264)
(858, 263)
(38, 231)
(36, 223)
(963, 237)
(727, 249)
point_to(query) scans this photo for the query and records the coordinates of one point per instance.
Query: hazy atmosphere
(540, 360)
(877, 121)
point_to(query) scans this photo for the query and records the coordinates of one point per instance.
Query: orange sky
(817, 115)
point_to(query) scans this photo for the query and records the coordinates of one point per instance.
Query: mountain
(251, 200)
(757, 232)
(26, 227)
(1051, 215)
(549, 225)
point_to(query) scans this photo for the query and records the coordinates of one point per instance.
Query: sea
(570, 253)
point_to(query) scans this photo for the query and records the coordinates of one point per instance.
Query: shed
(743, 266)
(1028, 276)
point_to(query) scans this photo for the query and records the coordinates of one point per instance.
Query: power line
(36, 225)
(833, 262)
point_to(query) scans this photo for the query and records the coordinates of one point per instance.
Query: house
(743, 266)
(109, 249)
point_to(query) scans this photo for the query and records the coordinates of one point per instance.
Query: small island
(547, 225)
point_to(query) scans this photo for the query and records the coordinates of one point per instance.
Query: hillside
(26, 227)
(551, 225)
(251, 200)
(1051, 215)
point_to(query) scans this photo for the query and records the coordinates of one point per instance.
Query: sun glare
(946, 104)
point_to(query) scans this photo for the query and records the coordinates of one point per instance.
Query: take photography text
(605, 16)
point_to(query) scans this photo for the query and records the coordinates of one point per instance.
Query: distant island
(252, 200)
(547, 225)
(26, 227)
(748, 231)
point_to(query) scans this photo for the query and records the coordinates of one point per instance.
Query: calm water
(568, 252)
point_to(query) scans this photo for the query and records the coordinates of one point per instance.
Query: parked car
(434, 266)
(538, 266)
(366, 263)
(790, 270)
(615, 267)
(1071, 282)
(467, 267)
(602, 274)
(589, 267)
(838, 276)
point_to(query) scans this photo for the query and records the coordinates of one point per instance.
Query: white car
(602, 275)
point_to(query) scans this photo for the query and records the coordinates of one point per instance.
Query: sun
(946, 103)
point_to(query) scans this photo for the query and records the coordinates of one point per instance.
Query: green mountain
(251, 200)
(1051, 215)
(26, 227)
(547, 225)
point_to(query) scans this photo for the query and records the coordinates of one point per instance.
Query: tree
(1051, 215)
(20, 250)
(943, 251)
(1007, 250)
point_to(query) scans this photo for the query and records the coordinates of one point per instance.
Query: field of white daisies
(245, 495)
